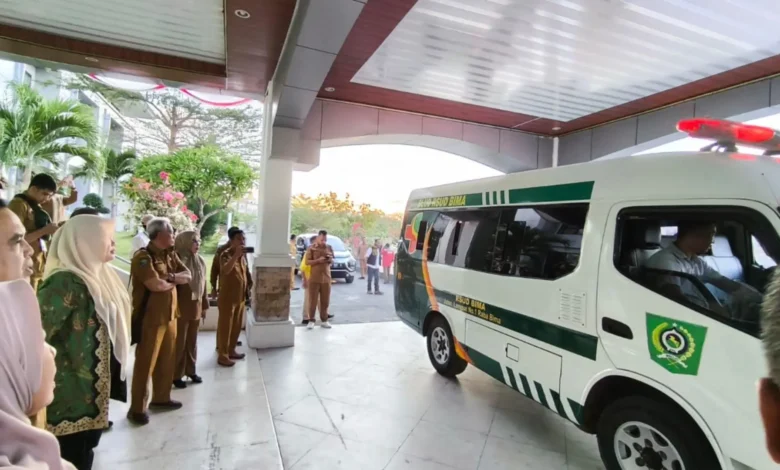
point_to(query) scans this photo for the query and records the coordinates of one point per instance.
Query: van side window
(469, 239)
(539, 242)
(422, 230)
(725, 280)
(437, 232)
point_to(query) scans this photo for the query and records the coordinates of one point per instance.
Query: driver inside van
(684, 256)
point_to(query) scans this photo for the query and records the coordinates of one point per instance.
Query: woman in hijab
(85, 309)
(26, 383)
(193, 304)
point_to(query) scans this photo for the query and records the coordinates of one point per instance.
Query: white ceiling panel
(564, 59)
(193, 29)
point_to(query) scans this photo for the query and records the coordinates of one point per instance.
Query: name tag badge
(42, 245)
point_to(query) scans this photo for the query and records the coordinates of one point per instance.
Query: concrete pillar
(270, 325)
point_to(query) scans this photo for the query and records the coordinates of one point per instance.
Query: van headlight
(351, 262)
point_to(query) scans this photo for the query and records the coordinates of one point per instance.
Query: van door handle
(616, 328)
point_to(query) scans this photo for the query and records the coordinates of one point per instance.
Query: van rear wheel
(639, 433)
(441, 349)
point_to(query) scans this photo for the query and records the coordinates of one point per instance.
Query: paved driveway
(350, 303)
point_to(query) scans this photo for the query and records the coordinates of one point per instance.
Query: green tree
(117, 166)
(177, 121)
(96, 202)
(210, 177)
(38, 131)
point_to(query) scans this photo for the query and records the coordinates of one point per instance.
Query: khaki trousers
(155, 357)
(292, 278)
(319, 295)
(231, 316)
(186, 347)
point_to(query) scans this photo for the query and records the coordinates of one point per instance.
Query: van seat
(645, 242)
(723, 259)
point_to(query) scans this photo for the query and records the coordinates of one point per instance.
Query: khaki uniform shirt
(233, 282)
(154, 263)
(319, 272)
(22, 209)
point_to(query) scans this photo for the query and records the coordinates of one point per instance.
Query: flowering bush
(159, 200)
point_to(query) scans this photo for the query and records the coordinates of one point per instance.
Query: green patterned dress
(83, 355)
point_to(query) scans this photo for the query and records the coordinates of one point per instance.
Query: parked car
(343, 266)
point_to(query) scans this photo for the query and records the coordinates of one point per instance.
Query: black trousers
(79, 448)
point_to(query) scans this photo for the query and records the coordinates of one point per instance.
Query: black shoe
(109, 426)
(239, 343)
(196, 379)
(179, 383)
(296, 288)
(305, 322)
(138, 418)
(379, 293)
(168, 405)
(330, 316)
(369, 292)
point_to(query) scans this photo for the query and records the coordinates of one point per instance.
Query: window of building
(539, 242)
(725, 281)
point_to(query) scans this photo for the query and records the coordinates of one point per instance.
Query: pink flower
(184, 208)
(167, 196)
(179, 195)
(164, 176)
(193, 217)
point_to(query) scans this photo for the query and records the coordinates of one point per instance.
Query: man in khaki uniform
(293, 255)
(155, 272)
(319, 256)
(37, 222)
(233, 282)
(56, 204)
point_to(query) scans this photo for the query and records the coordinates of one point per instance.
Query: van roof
(678, 175)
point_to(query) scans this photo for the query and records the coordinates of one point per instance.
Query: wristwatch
(171, 277)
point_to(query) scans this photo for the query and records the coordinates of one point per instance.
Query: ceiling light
(330, 89)
(91, 59)
(556, 128)
(243, 14)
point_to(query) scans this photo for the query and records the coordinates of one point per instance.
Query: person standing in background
(362, 252)
(319, 257)
(154, 273)
(233, 282)
(374, 260)
(36, 221)
(141, 239)
(193, 304)
(56, 205)
(85, 310)
(294, 255)
(27, 371)
(305, 271)
(388, 257)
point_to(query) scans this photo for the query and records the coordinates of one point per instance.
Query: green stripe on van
(512, 379)
(576, 342)
(554, 193)
(487, 365)
(559, 404)
(526, 387)
(503, 197)
(542, 396)
(458, 200)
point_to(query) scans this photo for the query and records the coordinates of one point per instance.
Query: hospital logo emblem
(411, 232)
(675, 345)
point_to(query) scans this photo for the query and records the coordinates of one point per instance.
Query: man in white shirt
(683, 256)
(141, 239)
(373, 263)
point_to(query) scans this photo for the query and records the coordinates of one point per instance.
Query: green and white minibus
(539, 279)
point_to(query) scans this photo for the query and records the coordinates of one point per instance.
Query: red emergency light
(728, 134)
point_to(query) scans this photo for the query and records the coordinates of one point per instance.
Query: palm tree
(117, 165)
(38, 131)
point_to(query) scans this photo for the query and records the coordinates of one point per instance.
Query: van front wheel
(441, 349)
(639, 433)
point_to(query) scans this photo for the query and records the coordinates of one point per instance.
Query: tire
(350, 279)
(441, 349)
(666, 434)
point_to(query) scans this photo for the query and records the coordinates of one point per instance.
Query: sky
(384, 175)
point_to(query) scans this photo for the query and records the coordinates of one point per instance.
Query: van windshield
(336, 243)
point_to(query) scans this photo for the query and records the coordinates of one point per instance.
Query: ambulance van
(546, 281)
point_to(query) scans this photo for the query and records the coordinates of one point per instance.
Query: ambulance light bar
(728, 134)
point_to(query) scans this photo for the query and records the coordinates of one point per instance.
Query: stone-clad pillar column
(270, 325)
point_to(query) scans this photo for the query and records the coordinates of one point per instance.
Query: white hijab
(80, 246)
(22, 446)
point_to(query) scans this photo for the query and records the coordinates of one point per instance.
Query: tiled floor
(225, 424)
(364, 397)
